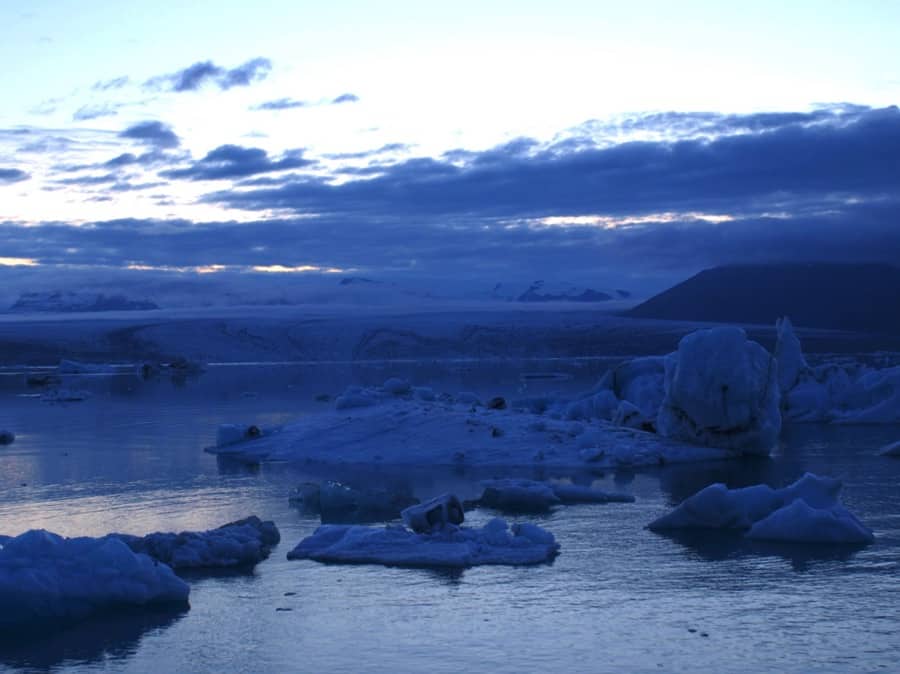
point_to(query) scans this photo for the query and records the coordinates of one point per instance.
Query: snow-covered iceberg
(450, 546)
(808, 511)
(237, 544)
(721, 390)
(336, 502)
(45, 578)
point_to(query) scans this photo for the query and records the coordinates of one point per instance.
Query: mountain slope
(861, 297)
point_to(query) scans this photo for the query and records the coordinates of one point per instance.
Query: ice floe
(237, 544)
(807, 511)
(45, 578)
(450, 546)
(519, 495)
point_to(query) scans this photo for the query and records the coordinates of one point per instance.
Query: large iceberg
(721, 390)
(448, 546)
(237, 544)
(807, 511)
(45, 578)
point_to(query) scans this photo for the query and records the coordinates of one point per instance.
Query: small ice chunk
(76, 367)
(468, 398)
(433, 514)
(449, 546)
(799, 522)
(353, 397)
(237, 544)
(229, 434)
(341, 503)
(717, 507)
(7, 437)
(45, 578)
(809, 510)
(572, 493)
(511, 495)
(64, 395)
(396, 386)
(892, 449)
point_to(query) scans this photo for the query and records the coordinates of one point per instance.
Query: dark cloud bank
(804, 186)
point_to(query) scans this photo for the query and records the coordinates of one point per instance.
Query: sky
(626, 144)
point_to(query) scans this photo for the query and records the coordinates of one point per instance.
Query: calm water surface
(618, 598)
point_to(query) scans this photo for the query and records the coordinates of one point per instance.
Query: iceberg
(7, 437)
(772, 514)
(340, 503)
(721, 390)
(434, 514)
(799, 522)
(449, 546)
(243, 543)
(45, 578)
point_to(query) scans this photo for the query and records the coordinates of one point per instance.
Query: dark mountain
(860, 297)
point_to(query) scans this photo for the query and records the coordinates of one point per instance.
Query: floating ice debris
(45, 578)
(229, 434)
(468, 398)
(721, 390)
(355, 396)
(892, 449)
(518, 495)
(238, 544)
(396, 386)
(7, 437)
(772, 513)
(433, 514)
(77, 367)
(448, 546)
(799, 522)
(340, 503)
(64, 395)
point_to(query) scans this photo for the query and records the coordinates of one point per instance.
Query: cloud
(235, 161)
(11, 175)
(197, 75)
(384, 149)
(95, 111)
(115, 83)
(345, 98)
(281, 104)
(776, 169)
(152, 133)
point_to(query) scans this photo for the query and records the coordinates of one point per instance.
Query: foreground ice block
(45, 578)
(237, 544)
(772, 514)
(721, 390)
(449, 546)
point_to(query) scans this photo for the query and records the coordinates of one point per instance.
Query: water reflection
(715, 545)
(112, 636)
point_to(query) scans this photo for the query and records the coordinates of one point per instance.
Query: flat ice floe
(236, 544)
(807, 511)
(390, 429)
(449, 546)
(45, 578)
